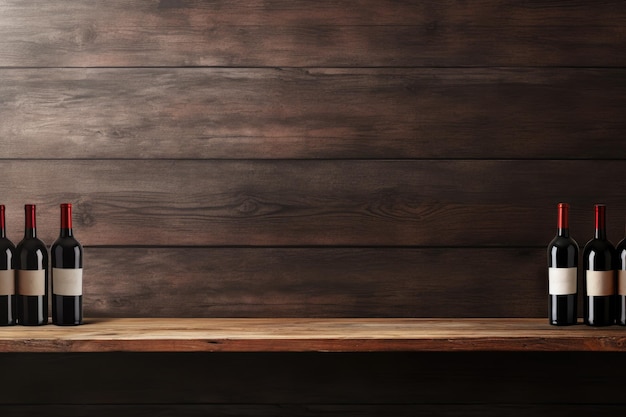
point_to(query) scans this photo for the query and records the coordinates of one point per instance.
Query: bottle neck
(66, 220)
(563, 220)
(600, 228)
(30, 229)
(3, 232)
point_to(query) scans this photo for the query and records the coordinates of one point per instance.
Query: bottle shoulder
(66, 242)
(6, 244)
(562, 253)
(31, 253)
(598, 245)
(562, 242)
(30, 244)
(599, 255)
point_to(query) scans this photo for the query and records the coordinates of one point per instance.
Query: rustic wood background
(297, 158)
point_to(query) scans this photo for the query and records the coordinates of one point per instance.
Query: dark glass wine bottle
(599, 274)
(67, 274)
(620, 298)
(563, 273)
(32, 275)
(7, 276)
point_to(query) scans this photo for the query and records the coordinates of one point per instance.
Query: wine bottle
(67, 274)
(620, 300)
(599, 274)
(32, 274)
(563, 273)
(7, 276)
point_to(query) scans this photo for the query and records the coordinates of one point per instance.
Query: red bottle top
(66, 216)
(600, 217)
(563, 218)
(31, 223)
(2, 223)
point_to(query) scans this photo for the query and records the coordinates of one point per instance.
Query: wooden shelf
(306, 335)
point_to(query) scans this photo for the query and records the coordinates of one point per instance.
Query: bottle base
(603, 324)
(68, 324)
(563, 324)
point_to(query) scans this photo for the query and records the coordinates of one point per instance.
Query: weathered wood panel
(312, 335)
(420, 80)
(301, 33)
(313, 113)
(301, 203)
(315, 282)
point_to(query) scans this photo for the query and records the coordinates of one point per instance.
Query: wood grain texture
(302, 203)
(301, 33)
(310, 335)
(453, 130)
(313, 113)
(315, 282)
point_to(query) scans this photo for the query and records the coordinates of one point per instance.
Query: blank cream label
(7, 282)
(621, 282)
(600, 283)
(562, 281)
(31, 282)
(67, 281)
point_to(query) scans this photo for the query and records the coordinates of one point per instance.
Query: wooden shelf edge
(310, 335)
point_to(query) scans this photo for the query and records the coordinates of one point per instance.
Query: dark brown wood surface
(440, 203)
(316, 159)
(302, 33)
(316, 384)
(315, 282)
(315, 410)
(226, 113)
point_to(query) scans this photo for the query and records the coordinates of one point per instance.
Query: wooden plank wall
(296, 158)
(285, 158)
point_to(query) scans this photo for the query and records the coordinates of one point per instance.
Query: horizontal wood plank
(301, 33)
(315, 282)
(303, 203)
(310, 335)
(313, 113)
(322, 379)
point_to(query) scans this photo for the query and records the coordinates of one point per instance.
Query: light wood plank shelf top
(310, 335)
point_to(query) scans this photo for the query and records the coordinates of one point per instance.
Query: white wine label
(31, 282)
(7, 282)
(621, 282)
(562, 281)
(600, 283)
(67, 281)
